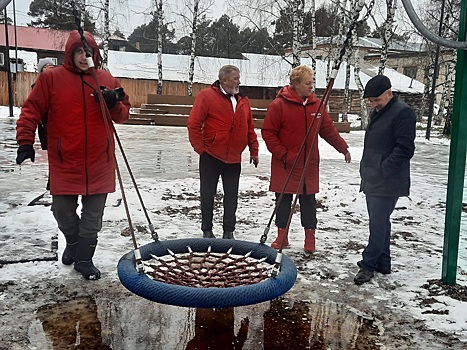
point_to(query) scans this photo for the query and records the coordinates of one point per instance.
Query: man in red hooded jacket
(80, 145)
(220, 126)
(284, 131)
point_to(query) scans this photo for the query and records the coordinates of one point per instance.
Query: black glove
(25, 152)
(111, 97)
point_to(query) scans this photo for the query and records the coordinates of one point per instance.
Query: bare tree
(356, 64)
(105, 44)
(103, 10)
(445, 104)
(82, 10)
(264, 13)
(297, 25)
(347, 18)
(191, 71)
(160, 17)
(191, 13)
(387, 33)
(313, 32)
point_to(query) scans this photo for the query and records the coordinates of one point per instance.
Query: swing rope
(193, 272)
(317, 120)
(109, 127)
(237, 270)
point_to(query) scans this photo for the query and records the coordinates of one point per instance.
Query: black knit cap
(376, 86)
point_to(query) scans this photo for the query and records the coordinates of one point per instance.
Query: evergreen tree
(55, 14)
(204, 39)
(220, 38)
(225, 38)
(146, 35)
(255, 41)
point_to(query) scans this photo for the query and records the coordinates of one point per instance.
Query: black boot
(208, 234)
(68, 256)
(83, 258)
(228, 235)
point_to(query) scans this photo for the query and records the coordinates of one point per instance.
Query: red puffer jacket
(214, 127)
(80, 148)
(284, 130)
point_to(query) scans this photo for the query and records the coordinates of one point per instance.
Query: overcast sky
(128, 16)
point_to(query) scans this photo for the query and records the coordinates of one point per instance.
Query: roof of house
(377, 43)
(255, 70)
(44, 39)
(37, 39)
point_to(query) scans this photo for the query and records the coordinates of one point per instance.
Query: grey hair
(226, 71)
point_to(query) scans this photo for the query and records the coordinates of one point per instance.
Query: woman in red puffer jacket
(284, 130)
(80, 145)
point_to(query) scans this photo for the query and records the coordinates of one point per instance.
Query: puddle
(135, 323)
(72, 325)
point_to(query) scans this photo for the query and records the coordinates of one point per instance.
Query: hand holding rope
(318, 119)
(109, 128)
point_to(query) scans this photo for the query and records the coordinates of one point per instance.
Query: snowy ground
(409, 309)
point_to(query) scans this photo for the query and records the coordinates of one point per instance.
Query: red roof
(35, 38)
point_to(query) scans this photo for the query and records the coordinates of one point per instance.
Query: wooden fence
(137, 89)
(140, 89)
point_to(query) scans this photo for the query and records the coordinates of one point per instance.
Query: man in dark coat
(384, 170)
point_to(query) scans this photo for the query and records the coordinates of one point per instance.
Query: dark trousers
(307, 210)
(210, 169)
(377, 253)
(89, 224)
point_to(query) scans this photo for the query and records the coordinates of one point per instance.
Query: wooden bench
(171, 110)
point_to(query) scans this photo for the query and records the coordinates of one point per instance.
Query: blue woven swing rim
(170, 294)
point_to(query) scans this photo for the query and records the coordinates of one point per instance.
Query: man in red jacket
(80, 145)
(288, 118)
(220, 127)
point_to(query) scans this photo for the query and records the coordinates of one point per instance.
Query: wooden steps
(170, 110)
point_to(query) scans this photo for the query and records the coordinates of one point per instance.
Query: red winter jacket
(215, 128)
(80, 148)
(285, 125)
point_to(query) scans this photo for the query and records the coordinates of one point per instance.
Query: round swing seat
(206, 297)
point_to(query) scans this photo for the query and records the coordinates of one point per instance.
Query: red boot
(277, 242)
(310, 240)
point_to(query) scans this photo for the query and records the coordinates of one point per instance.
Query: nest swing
(206, 272)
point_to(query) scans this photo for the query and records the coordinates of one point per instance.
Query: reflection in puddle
(316, 326)
(135, 323)
(72, 324)
(214, 329)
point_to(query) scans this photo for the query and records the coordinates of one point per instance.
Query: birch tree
(105, 44)
(387, 33)
(159, 22)
(286, 15)
(191, 14)
(356, 63)
(191, 70)
(313, 33)
(297, 24)
(428, 78)
(346, 18)
(445, 104)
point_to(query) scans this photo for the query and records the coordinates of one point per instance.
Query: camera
(111, 97)
(113, 94)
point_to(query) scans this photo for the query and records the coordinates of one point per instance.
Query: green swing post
(457, 162)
